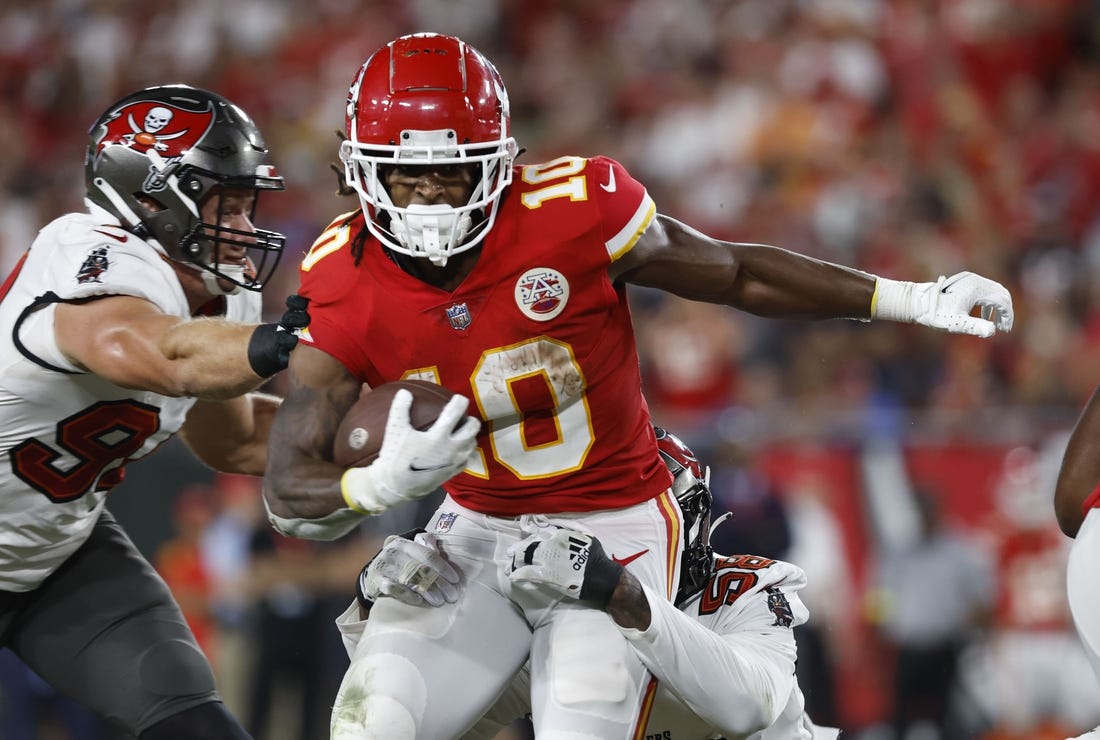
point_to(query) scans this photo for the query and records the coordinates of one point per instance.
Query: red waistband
(1092, 502)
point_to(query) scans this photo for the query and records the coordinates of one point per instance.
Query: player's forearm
(208, 358)
(1080, 471)
(629, 606)
(739, 683)
(231, 436)
(778, 283)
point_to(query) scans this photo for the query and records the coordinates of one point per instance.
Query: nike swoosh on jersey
(116, 237)
(609, 186)
(629, 558)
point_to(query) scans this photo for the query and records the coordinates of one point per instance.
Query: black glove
(270, 345)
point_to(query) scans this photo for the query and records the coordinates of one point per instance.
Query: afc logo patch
(95, 264)
(541, 293)
(780, 607)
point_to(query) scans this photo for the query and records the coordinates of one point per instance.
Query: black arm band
(269, 349)
(601, 576)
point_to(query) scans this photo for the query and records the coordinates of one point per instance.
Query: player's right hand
(569, 562)
(410, 568)
(412, 463)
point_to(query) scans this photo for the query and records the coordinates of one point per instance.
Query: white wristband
(893, 300)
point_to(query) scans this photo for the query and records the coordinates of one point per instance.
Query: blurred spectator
(1031, 677)
(298, 588)
(930, 597)
(179, 560)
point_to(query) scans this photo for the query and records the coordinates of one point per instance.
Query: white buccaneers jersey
(723, 660)
(65, 435)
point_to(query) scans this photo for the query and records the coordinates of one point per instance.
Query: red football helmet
(428, 99)
(691, 486)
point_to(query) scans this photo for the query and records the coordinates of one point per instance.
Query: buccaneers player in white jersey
(120, 327)
(507, 285)
(1077, 506)
(724, 656)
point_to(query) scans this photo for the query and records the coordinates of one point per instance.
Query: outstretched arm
(1079, 475)
(773, 282)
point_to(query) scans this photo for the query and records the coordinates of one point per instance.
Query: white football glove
(946, 304)
(412, 463)
(570, 562)
(413, 571)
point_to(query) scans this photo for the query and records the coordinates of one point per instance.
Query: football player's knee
(175, 668)
(382, 696)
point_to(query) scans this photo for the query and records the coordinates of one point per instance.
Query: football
(359, 436)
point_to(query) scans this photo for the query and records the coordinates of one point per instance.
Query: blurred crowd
(909, 138)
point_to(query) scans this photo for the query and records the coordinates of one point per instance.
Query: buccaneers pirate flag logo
(161, 131)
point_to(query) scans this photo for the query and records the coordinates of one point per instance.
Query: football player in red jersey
(1077, 507)
(507, 284)
(120, 327)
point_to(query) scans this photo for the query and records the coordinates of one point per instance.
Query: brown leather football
(359, 436)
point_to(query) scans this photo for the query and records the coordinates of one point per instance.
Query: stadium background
(911, 138)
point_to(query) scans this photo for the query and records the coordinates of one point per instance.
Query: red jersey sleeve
(625, 208)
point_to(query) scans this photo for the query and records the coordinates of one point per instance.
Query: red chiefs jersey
(537, 336)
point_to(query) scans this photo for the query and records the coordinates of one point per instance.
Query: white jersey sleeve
(728, 654)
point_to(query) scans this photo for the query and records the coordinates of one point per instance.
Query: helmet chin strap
(431, 230)
(210, 280)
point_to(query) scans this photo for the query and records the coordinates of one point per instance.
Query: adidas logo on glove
(578, 553)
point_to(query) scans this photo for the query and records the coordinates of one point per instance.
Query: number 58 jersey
(65, 434)
(537, 336)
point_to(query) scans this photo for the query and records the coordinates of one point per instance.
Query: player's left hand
(570, 562)
(410, 568)
(946, 304)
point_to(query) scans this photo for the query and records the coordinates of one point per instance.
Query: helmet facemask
(435, 231)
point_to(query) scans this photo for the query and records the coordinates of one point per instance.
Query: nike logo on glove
(956, 280)
(629, 558)
(426, 469)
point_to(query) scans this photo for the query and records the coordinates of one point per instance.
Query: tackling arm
(738, 681)
(231, 436)
(1080, 471)
(131, 343)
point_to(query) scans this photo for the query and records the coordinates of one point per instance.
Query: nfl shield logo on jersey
(459, 316)
(445, 521)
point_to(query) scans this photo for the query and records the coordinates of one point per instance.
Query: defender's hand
(570, 562)
(411, 569)
(270, 346)
(946, 304)
(412, 463)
